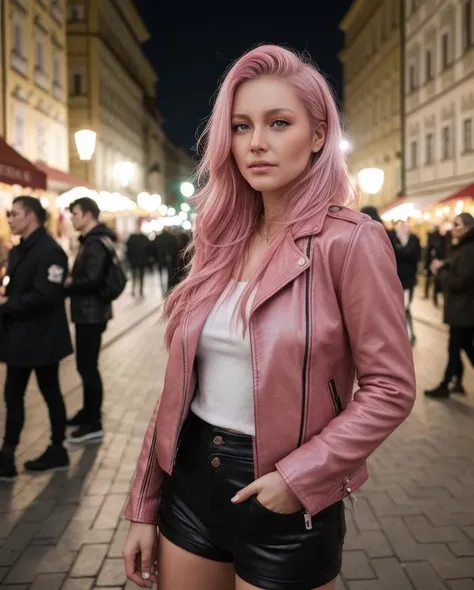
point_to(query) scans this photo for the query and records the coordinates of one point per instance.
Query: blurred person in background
(408, 254)
(456, 276)
(138, 252)
(165, 249)
(436, 248)
(34, 333)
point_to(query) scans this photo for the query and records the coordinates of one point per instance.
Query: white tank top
(224, 361)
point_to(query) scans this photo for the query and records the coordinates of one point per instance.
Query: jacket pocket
(335, 399)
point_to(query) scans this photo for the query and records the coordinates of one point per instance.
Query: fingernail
(235, 498)
(145, 575)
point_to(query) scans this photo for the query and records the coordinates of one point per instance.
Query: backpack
(115, 278)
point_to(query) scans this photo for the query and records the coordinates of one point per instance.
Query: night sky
(194, 42)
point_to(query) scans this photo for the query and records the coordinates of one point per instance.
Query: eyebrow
(270, 112)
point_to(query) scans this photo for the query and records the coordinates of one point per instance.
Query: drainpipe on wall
(3, 43)
(402, 100)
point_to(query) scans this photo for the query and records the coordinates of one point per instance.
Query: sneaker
(78, 419)
(85, 433)
(438, 392)
(7, 465)
(55, 458)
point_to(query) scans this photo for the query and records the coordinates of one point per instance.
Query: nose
(259, 142)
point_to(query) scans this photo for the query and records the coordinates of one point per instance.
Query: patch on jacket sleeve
(55, 274)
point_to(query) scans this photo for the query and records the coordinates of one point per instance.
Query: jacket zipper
(183, 396)
(308, 523)
(336, 400)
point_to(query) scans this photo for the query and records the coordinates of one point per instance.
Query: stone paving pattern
(413, 527)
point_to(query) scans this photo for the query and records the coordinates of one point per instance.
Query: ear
(319, 137)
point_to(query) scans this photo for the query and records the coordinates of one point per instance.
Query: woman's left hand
(273, 492)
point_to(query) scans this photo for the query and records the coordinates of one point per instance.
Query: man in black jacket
(34, 332)
(89, 313)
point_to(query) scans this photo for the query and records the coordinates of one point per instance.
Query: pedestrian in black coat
(34, 332)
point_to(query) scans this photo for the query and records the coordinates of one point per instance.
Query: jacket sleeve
(371, 301)
(94, 264)
(458, 277)
(47, 290)
(144, 499)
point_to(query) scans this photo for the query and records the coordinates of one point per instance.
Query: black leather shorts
(269, 550)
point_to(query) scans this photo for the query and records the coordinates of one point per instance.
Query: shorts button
(218, 440)
(301, 261)
(215, 462)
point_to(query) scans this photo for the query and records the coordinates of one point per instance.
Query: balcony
(41, 78)
(56, 12)
(23, 4)
(468, 61)
(58, 91)
(19, 63)
(447, 78)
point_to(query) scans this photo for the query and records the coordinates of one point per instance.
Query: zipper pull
(308, 523)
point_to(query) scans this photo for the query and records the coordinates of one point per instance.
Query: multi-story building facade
(439, 100)
(112, 92)
(34, 97)
(372, 93)
(178, 168)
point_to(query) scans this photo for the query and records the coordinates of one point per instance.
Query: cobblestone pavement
(413, 527)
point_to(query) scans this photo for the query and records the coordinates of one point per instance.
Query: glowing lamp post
(371, 180)
(85, 143)
(344, 146)
(187, 189)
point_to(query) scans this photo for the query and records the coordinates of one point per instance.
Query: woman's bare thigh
(179, 569)
(241, 585)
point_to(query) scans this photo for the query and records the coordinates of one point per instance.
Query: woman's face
(272, 138)
(459, 229)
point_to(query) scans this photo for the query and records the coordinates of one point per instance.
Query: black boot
(78, 419)
(53, 459)
(7, 464)
(438, 392)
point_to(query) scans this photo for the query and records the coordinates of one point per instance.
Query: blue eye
(240, 127)
(280, 123)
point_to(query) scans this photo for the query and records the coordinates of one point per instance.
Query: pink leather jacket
(329, 307)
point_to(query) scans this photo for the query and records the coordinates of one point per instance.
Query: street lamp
(187, 189)
(85, 143)
(371, 180)
(344, 145)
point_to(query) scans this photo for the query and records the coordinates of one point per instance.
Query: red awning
(467, 191)
(61, 177)
(15, 169)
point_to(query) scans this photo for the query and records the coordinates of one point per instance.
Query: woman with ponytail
(259, 434)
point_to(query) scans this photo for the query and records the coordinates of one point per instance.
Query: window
(57, 68)
(429, 65)
(412, 80)
(19, 131)
(446, 147)
(414, 154)
(76, 12)
(77, 84)
(467, 135)
(40, 142)
(18, 43)
(39, 52)
(467, 24)
(429, 149)
(445, 51)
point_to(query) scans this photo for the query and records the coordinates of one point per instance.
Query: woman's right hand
(140, 554)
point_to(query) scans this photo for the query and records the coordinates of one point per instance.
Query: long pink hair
(228, 208)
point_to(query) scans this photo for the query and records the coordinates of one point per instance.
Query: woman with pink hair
(259, 436)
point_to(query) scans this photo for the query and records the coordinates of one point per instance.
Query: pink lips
(261, 166)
